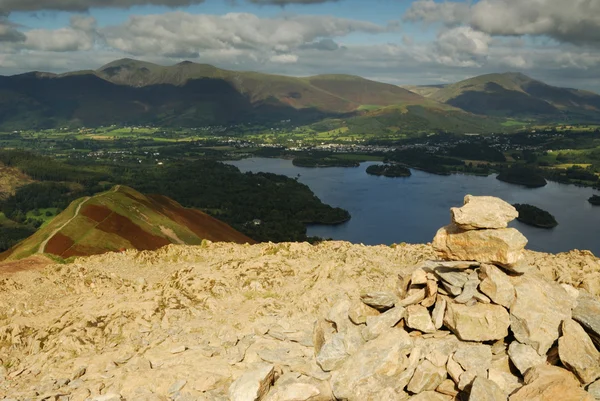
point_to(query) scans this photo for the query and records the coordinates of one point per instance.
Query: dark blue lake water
(393, 210)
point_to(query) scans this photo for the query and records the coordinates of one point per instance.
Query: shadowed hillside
(123, 218)
(515, 95)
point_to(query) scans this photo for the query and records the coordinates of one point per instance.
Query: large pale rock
(413, 296)
(426, 378)
(594, 389)
(486, 390)
(448, 387)
(480, 322)
(418, 318)
(587, 313)
(483, 212)
(339, 315)
(476, 357)
(508, 382)
(378, 362)
(501, 247)
(496, 285)
(253, 385)
(333, 353)
(379, 300)
(358, 312)
(380, 323)
(523, 356)
(577, 352)
(537, 312)
(550, 383)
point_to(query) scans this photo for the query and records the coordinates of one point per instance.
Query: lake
(393, 210)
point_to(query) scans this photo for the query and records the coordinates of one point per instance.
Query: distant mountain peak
(127, 63)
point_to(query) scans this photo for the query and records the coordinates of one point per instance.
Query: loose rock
(524, 356)
(502, 247)
(333, 353)
(486, 390)
(379, 324)
(378, 362)
(359, 312)
(480, 322)
(252, 385)
(537, 312)
(418, 318)
(587, 313)
(476, 357)
(381, 301)
(550, 383)
(427, 377)
(577, 352)
(483, 212)
(496, 285)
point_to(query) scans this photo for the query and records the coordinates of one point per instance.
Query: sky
(404, 42)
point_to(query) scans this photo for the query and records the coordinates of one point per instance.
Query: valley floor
(183, 322)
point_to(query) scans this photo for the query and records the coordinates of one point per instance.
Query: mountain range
(120, 219)
(188, 94)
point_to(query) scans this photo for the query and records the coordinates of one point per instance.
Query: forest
(282, 204)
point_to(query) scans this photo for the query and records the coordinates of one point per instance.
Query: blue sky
(397, 41)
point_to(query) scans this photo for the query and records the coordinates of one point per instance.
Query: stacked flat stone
(469, 327)
(475, 326)
(479, 232)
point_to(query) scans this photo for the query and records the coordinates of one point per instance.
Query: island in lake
(522, 175)
(534, 216)
(595, 200)
(388, 170)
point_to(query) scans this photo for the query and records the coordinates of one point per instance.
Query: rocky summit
(296, 322)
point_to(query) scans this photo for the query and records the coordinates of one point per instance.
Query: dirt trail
(42, 247)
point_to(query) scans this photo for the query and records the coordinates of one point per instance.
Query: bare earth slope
(183, 322)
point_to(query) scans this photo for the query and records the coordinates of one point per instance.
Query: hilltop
(189, 94)
(120, 219)
(185, 94)
(278, 322)
(514, 95)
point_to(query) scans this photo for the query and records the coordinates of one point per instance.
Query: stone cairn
(477, 325)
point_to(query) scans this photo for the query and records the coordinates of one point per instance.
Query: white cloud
(573, 21)
(80, 35)
(241, 35)
(284, 58)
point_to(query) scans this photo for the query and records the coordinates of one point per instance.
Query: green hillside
(122, 218)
